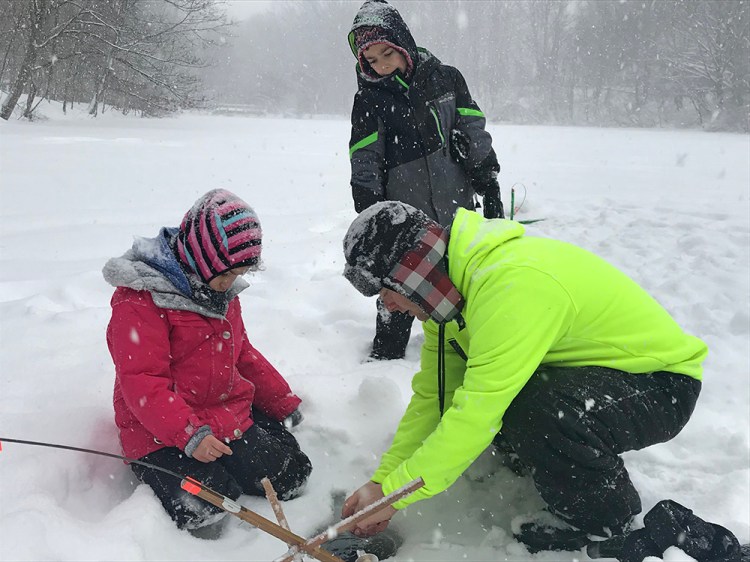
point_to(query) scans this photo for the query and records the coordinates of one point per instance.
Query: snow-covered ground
(671, 208)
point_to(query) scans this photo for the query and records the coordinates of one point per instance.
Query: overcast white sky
(242, 9)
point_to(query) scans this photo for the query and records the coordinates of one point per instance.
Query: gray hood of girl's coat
(150, 265)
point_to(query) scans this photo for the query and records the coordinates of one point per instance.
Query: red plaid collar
(422, 277)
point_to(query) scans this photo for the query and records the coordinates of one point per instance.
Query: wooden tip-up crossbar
(351, 521)
(281, 531)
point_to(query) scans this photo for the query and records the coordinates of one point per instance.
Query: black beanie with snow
(377, 240)
(395, 246)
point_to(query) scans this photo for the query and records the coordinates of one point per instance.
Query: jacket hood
(151, 265)
(472, 239)
(378, 13)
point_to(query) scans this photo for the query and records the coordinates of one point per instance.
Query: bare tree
(149, 51)
(36, 13)
(138, 54)
(708, 59)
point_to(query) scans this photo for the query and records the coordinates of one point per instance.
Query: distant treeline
(646, 63)
(643, 63)
(134, 55)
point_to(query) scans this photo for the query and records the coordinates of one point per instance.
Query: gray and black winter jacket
(400, 146)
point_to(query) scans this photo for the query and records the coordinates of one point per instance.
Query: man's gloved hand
(460, 145)
(293, 419)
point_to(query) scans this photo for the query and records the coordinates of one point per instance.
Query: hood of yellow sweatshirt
(472, 239)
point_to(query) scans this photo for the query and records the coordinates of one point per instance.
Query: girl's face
(384, 59)
(222, 283)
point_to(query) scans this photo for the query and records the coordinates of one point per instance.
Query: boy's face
(384, 59)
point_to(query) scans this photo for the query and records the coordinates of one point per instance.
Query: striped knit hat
(220, 232)
(396, 246)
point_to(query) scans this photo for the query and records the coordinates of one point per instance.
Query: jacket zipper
(439, 129)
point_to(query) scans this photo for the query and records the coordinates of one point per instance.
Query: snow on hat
(396, 246)
(220, 232)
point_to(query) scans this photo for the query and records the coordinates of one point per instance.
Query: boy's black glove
(460, 145)
(485, 184)
(493, 205)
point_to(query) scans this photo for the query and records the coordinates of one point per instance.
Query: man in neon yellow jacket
(529, 340)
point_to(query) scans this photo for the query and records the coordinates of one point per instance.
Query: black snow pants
(392, 332)
(266, 449)
(570, 425)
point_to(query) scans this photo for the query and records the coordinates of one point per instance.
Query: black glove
(493, 205)
(364, 197)
(293, 419)
(460, 145)
(486, 185)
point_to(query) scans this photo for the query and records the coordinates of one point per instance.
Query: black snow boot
(385, 354)
(537, 537)
(632, 547)
(671, 524)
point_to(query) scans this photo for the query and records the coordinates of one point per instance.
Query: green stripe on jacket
(469, 111)
(368, 140)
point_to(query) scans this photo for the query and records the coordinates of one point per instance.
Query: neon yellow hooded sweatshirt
(529, 302)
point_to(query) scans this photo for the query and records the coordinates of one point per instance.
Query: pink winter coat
(177, 371)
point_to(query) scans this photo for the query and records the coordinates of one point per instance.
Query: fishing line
(92, 452)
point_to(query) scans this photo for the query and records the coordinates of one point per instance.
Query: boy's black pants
(266, 449)
(392, 332)
(570, 425)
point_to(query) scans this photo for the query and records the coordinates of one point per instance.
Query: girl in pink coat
(191, 392)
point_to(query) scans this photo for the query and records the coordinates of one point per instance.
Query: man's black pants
(266, 449)
(570, 425)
